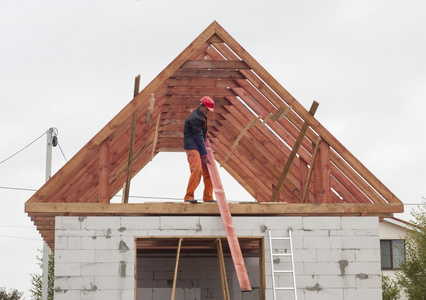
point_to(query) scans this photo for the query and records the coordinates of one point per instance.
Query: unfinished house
(312, 231)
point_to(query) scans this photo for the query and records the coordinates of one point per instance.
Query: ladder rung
(281, 254)
(284, 288)
(280, 238)
(283, 271)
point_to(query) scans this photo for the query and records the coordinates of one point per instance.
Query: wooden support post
(225, 214)
(314, 156)
(137, 84)
(262, 279)
(325, 172)
(104, 172)
(148, 116)
(235, 144)
(154, 144)
(293, 154)
(317, 179)
(176, 269)
(126, 188)
(303, 173)
(126, 185)
(224, 280)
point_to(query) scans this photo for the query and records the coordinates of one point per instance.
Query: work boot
(193, 201)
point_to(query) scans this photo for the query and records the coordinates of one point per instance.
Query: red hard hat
(208, 102)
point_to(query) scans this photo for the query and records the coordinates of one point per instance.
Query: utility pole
(45, 278)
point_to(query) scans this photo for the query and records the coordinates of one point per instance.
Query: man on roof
(194, 137)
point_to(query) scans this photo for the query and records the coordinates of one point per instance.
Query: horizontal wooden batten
(225, 74)
(215, 64)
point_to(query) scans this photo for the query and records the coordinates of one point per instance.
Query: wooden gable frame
(214, 64)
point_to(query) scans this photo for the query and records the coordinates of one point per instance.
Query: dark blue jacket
(194, 132)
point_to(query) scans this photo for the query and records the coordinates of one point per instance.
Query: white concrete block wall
(335, 257)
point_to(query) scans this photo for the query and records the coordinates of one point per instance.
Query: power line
(146, 197)
(20, 238)
(17, 189)
(23, 148)
(60, 148)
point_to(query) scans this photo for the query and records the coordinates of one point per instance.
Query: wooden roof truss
(254, 130)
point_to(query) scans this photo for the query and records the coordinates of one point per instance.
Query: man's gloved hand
(208, 135)
(205, 160)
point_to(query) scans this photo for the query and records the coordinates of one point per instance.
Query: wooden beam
(130, 159)
(35, 209)
(314, 157)
(154, 144)
(234, 246)
(214, 64)
(176, 269)
(224, 280)
(223, 74)
(325, 172)
(293, 154)
(137, 84)
(235, 144)
(104, 168)
(148, 116)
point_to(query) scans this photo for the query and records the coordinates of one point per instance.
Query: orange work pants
(197, 169)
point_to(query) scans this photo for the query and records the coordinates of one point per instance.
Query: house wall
(390, 231)
(335, 257)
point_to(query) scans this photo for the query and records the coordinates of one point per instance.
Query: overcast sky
(71, 65)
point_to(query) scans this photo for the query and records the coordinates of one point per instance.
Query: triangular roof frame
(215, 64)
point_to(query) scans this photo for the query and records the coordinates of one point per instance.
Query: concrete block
(332, 242)
(324, 294)
(334, 255)
(67, 295)
(305, 255)
(341, 232)
(67, 269)
(73, 243)
(74, 232)
(60, 242)
(102, 223)
(360, 242)
(311, 232)
(321, 268)
(370, 268)
(360, 222)
(284, 224)
(321, 223)
(363, 280)
(106, 269)
(111, 256)
(180, 223)
(81, 256)
(144, 294)
(58, 222)
(140, 223)
(243, 223)
(74, 283)
(69, 223)
(103, 243)
(356, 294)
(114, 282)
(212, 223)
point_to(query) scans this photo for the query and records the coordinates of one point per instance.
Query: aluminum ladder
(275, 272)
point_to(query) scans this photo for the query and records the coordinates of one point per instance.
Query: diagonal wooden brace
(293, 154)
